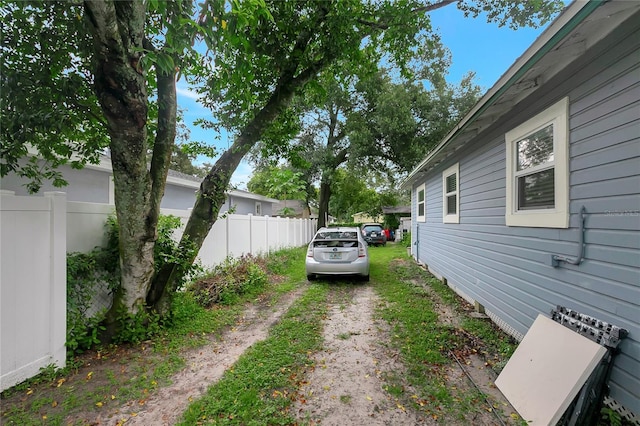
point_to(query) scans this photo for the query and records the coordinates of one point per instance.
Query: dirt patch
(205, 366)
(345, 385)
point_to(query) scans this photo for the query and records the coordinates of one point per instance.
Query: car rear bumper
(376, 240)
(357, 267)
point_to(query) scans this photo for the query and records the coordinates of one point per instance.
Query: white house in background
(94, 184)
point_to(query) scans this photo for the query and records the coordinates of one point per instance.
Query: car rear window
(370, 228)
(334, 235)
(335, 243)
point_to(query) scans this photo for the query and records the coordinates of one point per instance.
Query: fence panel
(240, 237)
(32, 285)
(86, 225)
(259, 243)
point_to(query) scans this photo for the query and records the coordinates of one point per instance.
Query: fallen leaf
(89, 375)
(369, 398)
(60, 382)
(29, 391)
(99, 404)
(54, 404)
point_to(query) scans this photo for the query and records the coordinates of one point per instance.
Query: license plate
(334, 256)
(373, 234)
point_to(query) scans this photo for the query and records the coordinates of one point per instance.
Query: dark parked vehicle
(373, 234)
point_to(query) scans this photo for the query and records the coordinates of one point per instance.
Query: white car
(338, 251)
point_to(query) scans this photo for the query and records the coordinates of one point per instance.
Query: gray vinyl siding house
(489, 226)
(94, 184)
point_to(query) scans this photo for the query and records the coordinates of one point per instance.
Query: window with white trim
(258, 208)
(450, 196)
(421, 203)
(538, 170)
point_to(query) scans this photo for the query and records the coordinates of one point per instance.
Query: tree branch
(382, 25)
(165, 136)
(434, 6)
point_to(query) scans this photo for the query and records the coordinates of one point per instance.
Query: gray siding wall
(178, 197)
(248, 206)
(506, 268)
(86, 184)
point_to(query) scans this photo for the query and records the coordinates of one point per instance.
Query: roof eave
(575, 13)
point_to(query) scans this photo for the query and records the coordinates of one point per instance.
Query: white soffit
(547, 370)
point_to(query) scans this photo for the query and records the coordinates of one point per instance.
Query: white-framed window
(421, 203)
(538, 170)
(258, 208)
(450, 195)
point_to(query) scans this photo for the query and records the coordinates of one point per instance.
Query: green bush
(406, 239)
(89, 272)
(86, 274)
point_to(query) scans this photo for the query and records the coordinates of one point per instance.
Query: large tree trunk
(213, 187)
(323, 203)
(120, 84)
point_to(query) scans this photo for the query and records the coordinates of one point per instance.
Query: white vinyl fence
(33, 285)
(37, 232)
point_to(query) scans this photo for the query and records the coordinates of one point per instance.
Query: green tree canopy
(75, 75)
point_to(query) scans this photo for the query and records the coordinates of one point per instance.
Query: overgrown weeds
(230, 280)
(425, 342)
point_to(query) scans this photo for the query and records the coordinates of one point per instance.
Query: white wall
(32, 285)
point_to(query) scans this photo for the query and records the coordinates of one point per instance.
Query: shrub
(99, 270)
(406, 239)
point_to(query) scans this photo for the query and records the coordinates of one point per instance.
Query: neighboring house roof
(297, 207)
(251, 196)
(580, 26)
(182, 179)
(396, 210)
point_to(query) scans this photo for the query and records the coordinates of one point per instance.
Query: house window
(258, 208)
(450, 196)
(422, 212)
(538, 170)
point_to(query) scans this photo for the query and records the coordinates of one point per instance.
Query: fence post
(266, 233)
(58, 274)
(227, 225)
(250, 234)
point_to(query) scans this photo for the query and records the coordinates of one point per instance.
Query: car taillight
(361, 250)
(310, 250)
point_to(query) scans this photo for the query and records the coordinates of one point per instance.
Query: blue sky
(475, 45)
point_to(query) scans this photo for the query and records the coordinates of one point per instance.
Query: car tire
(311, 277)
(365, 278)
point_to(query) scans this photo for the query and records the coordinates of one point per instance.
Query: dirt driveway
(347, 384)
